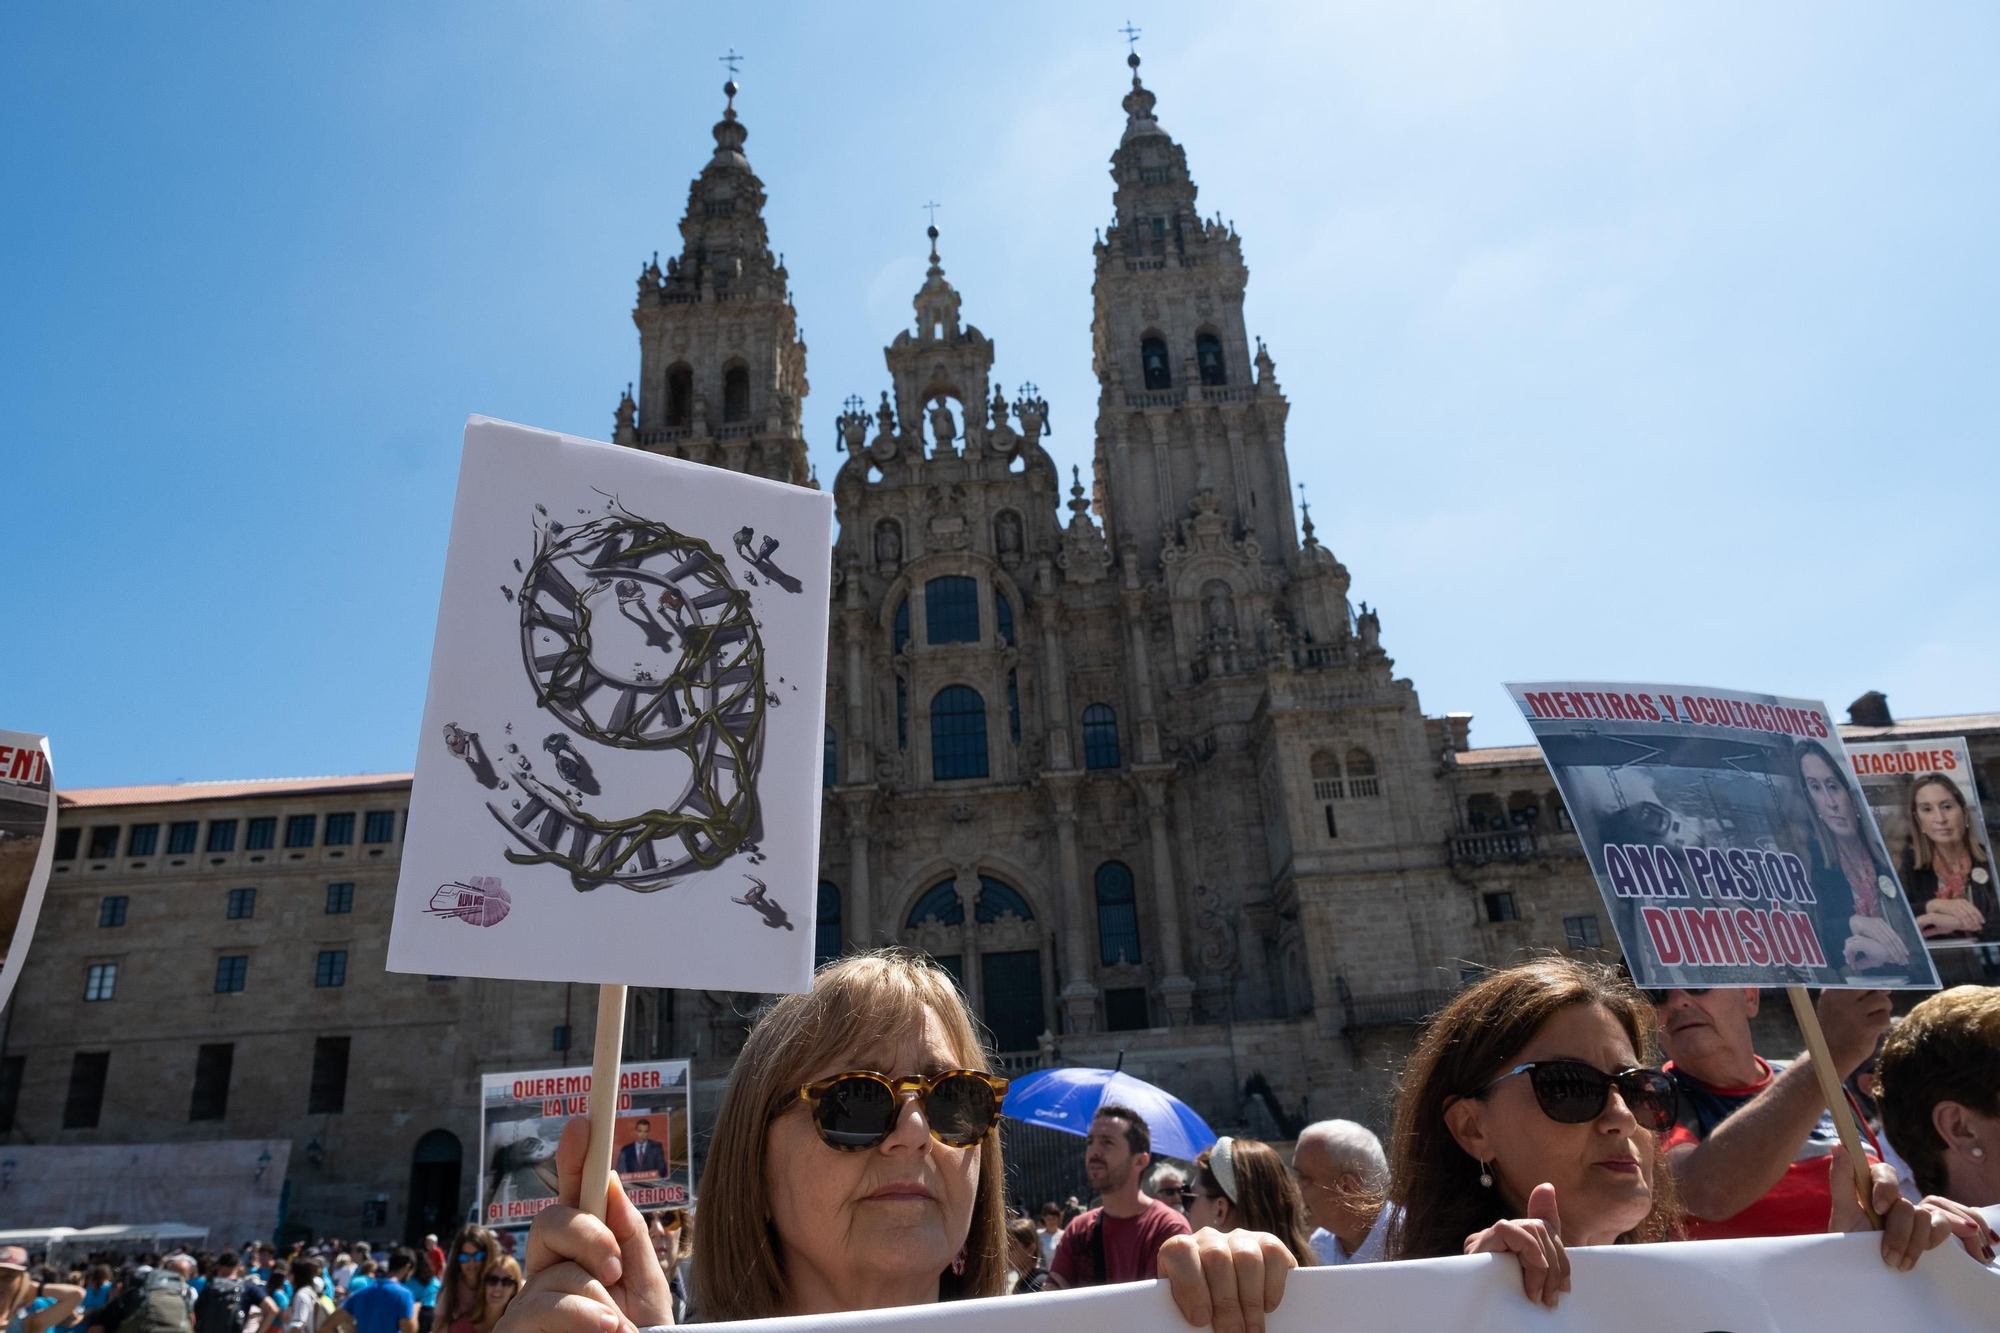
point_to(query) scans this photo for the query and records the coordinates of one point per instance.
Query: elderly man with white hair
(1343, 1175)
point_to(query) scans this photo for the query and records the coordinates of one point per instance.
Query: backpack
(219, 1308)
(162, 1308)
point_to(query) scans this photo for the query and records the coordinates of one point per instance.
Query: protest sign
(522, 1116)
(1778, 1285)
(1926, 803)
(27, 845)
(618, 774)
(1728, 837)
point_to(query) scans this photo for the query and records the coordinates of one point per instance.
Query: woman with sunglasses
(855, 1165)
(1527, 1124)
(1244, 1183)
(502, 1283)
(461, 1301)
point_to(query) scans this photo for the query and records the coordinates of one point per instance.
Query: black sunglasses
(854, 1112)
(1659, 997)
(1571, 1092)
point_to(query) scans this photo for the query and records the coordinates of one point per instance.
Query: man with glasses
(1343, 1177)
(1750, 1151)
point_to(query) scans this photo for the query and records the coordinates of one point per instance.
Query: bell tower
(722, 369)
(1190, 417)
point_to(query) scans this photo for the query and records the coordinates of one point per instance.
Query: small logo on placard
(479, 902)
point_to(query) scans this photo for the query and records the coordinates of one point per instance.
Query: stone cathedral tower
(722, 370)
(1126, 763)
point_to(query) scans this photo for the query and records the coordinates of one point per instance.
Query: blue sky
(1623, 341)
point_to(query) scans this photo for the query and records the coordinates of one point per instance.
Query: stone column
(1079, 993)
(966, 883)
(860, 765)
(1133, 599)
(860, 906)
(1233, 424)
(1176, 990)
(1055, 686)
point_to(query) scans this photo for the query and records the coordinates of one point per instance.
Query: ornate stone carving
(1216, 928)
(1085, 557)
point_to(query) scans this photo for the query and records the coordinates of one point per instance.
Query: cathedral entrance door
(1011, 985)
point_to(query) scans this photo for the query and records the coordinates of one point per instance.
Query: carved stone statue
(1221, 607)
(943, 429)
(999, 408)
(888, 543)
(1007, 533)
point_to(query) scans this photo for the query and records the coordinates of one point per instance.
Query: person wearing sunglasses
(1749, 1154)
(1244, 1183)
(503, 1284)
(855, 1165)
(664, 1229)
(461, 1302)
(1527, 1123)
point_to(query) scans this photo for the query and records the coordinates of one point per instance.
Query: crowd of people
(856, 1164)
(325, 1287)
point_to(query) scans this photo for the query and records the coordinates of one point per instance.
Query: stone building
(1122, 758)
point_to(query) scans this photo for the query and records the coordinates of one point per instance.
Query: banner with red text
(1792, 1284)
(27, 846)
(1728, 837)
(522, 1116)
(1926, 802)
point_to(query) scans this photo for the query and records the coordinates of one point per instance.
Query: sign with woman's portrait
(1729, 837)
(1926, 802)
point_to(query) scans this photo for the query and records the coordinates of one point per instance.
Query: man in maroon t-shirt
(1750, 1151)
(1119, 1242)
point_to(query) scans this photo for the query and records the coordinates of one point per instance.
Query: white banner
(1793, 1284)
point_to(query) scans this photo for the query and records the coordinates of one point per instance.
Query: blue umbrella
(1067, 1099)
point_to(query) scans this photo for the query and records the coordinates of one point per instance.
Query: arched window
(680, 395)
(1100, 737)
(1153, 360)
(736, 394)
(997, 900)
(434, 1180)
(826, 930)
(830, 763)
(1117, 915)
(1208, 356)
(902, 623)
(951, 610)
(1003, 617)
(958, 734)
(939, 904)
(1361, 779)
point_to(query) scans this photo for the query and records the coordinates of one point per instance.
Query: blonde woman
(461, 1304)
(502, 1284)
(855, 1166)
(1945, 866)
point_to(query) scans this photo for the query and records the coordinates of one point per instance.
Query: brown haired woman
(461, 1302)
(502, 1285)
(1530, 1121)
(1945, 868)
(855, 1165)
(1848, 876)
(1244, 1183)
(18, 1291)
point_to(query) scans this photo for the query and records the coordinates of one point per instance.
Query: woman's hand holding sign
(1536, 1240)
(587, 1276)
(1908, 1229)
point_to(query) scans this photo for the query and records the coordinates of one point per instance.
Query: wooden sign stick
(604, 1098)
(1830, 1088)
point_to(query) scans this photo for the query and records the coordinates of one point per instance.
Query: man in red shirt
(1750, 1151)
(434, 1255)
(1119, 1242)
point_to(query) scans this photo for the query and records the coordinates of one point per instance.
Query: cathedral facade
(1118, 754)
